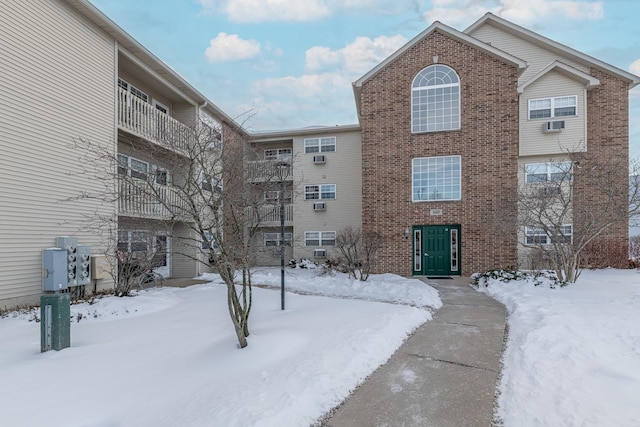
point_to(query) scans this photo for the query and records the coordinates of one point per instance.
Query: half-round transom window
(435, 100)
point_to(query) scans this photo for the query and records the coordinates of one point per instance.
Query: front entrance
(436, 250)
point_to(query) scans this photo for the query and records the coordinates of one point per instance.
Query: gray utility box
(55, 321)
(54, 269)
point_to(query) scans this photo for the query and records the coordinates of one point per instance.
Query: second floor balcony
(269, 215)
(146, 200)
(143, 119)
(269, 170)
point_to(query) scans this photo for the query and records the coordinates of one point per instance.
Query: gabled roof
(588, 80)
(451, 32)
(537, 39)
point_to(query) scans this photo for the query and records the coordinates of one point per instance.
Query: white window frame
(133, 237)
(446, 179)
(273, 239)
(320, 191)
(323, 238)
(553, 105)
(126, 167)
(278, 154)
(540, 237)
(435, 100)
(326, 144)
(553, 172)
(131, 89)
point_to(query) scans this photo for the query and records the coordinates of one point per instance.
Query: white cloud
(268, 10)
(230, 47)
(464, 12)
(296, 10)
(355, 58)
(635, 67)
(309, 99)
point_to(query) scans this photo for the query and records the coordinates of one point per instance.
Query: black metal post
(282, 241)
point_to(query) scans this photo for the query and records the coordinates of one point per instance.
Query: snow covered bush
(539, 278)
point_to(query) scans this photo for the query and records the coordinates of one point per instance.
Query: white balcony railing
(269, 216)
(143, 200)
(145, 120)
(268, 170)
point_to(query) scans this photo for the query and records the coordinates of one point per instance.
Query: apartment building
(449, 126)
(80, 97)
(323, 192)
(452, 124)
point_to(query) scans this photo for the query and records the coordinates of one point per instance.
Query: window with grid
(320, 192)
(538, 235)
(273, 239)
(435, 100)
(548, 172)
(320, 145)
(436, 178)
(277, 154)
(319, 238)
(546, 108)
(132, 167)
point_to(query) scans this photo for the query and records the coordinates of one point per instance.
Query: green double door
(436, 250)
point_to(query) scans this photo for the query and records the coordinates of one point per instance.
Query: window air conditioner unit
(553, 126)
(319, 159)
(319, 206)
(320, 253)
(551, 190)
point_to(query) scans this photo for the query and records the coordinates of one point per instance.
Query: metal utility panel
(83, 265)
(99, 267)
(55, 322)
(54, 269)
(70, 244)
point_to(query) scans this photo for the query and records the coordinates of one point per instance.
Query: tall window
(546, 108)
(435, 100)
(436, 178)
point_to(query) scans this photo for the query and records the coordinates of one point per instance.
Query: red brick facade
(487, 143)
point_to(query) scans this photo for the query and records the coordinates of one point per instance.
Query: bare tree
(557, 228)
(359, 250)
(200, 190)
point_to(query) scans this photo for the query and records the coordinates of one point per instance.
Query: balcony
(146, 121)
(267, 170)
(141, 201)
(269, 216)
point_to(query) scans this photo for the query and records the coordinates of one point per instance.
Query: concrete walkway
(444, 375)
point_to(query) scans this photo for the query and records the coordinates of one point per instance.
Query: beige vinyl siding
(185, 249)
(57, 85)
(535, 56)
(533, 141)
(185, 113)
(343, 168)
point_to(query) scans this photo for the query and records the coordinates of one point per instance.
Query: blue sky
(282, 64)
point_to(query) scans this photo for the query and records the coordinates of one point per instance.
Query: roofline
(304, 131)
(131, 45)
(437, 25)
(577, 55)
(589, 81)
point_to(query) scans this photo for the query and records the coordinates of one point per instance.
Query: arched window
(435, 100)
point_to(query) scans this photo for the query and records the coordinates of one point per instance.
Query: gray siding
(58, 84)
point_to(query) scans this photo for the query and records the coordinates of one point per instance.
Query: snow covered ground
(169, 357)
(573, 354)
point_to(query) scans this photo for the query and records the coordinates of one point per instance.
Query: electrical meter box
(54, 269)
(83, 265)
(70, 244)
